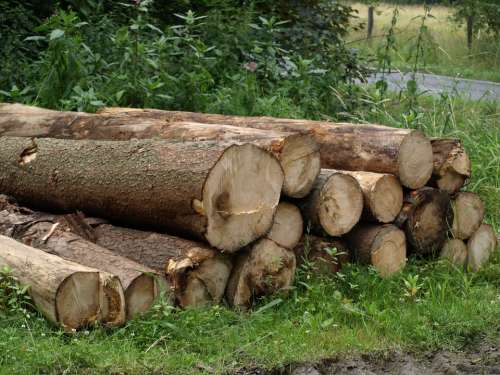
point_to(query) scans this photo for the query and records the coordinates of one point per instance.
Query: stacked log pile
(119, 208)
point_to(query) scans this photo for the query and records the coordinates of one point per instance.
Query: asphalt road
(435, 84)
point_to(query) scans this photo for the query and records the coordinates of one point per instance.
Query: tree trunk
(197, 274)
(67, 293)
(54, 235)
(468, 215)
(226, 196)
(334, 205)
(297, 153)
(262, 269)
(382, 193)
(287, 227)
(470, 31)
(404, 153)
(382, 246)
(455, 251)
(452, 166)
(369, 27)
(322, 255)
(426, 217)
(480, 247)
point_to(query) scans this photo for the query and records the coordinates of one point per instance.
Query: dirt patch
(481, 359)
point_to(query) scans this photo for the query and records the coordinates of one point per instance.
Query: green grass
(445, 43)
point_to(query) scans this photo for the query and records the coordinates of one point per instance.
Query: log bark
(404, 153)
(382, 246)
(130, 288)
(197, 274)
(334, 205)
(287, 227)
(298, 153)
(480, 247)
(226, 196)
(66, 293)
(452, 166)
(262, 269)
(323, 255)
(468, 215)
(455, 251)
(382, 194)
(426, 217)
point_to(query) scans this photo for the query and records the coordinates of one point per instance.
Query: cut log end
(287, 226)
(112, 301)
(239, 201)
(388, 252)
(386, 199)
(415, 160)
(341, 204)
(301, 164)
(455, 251)
(468, 212)
(77, 302)
(480, 247)
(262, 270)
(450, 181)
(140, 295)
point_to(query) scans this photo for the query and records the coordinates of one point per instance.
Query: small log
(262, 269)
(226, 196)
(480, 247)
(297, 153)
(382, 193)
(405, 153)
(468, 214)
(334, 205)
(426, 217)
(455, 251)
(66, 293)
(452, 166)
(327, 255)
(382, 246)
(197, 274)
(287, 227)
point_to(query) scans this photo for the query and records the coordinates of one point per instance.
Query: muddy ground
(479, 359)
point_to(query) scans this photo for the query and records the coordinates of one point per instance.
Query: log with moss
(452, 166)
(224, 195)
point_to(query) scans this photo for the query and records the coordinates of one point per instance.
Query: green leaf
(56, 34)
(269, 305)
(34, 38)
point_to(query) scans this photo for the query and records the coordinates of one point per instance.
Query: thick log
(480, 247)
(321, 255)
(452, 166)
(334, 205)
(426, 217)
(287, 227)
(468, 215)
(130, 287)
(262, 269)
(297, 153)
(455, 251)
(382, 246)
(226, 196)
(382, 193)
(66, 293)
(404, 153)
(197, 274)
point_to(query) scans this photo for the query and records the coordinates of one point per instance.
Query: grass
(445, 43)
(428, 306)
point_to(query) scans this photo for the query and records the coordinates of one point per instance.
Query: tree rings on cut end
(415, 160)
(300, 160)
(388, 251)
(287, 226)
(240, 196)
(468, 214)
(481, 246)
(455, 251)
(141, 294)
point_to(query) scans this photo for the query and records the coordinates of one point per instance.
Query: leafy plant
(14, 298)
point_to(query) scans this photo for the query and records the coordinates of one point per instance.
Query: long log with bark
(480, 247)
(65, 292)
(335, 204)
(197, 274)
(225, 195)
(452, 166)
(426, 217)
(468, 214)
(324, 255)
(405, 153)
(298, 153)
(130, 287)
(382, 246)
